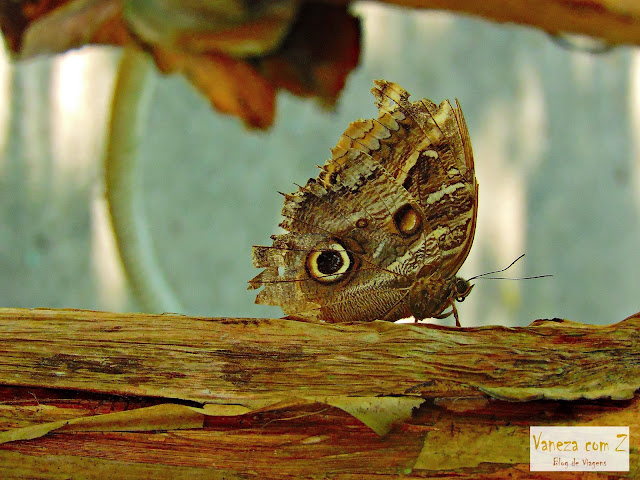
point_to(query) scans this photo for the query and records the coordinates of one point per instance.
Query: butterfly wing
(430, 155)
(351, 206)
(375, 216)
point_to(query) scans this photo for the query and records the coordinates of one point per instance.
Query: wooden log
(170, 396)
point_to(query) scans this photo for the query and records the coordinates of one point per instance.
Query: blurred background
(554, 132)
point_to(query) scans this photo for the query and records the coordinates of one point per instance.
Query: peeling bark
(170, 396)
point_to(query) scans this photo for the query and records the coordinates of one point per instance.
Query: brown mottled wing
(431, 156)
(414, 157)
(352, 200)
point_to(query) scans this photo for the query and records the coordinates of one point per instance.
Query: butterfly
(382, 231)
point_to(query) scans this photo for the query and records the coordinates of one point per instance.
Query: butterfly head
(460, 289)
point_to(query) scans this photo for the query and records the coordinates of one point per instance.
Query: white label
(579, 449)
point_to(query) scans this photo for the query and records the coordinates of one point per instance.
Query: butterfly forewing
(431, 156)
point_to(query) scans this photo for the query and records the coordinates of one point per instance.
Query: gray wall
(554, 136)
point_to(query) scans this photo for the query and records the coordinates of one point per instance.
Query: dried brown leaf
(232, 86)
(237, 54)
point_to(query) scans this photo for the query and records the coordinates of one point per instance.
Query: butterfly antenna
(505, 269)
(517, 278)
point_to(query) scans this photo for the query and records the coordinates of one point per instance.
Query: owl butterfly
(382, 231)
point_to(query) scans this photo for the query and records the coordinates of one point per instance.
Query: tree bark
(85, 394)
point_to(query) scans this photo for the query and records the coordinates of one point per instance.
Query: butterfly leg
(453, 311)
